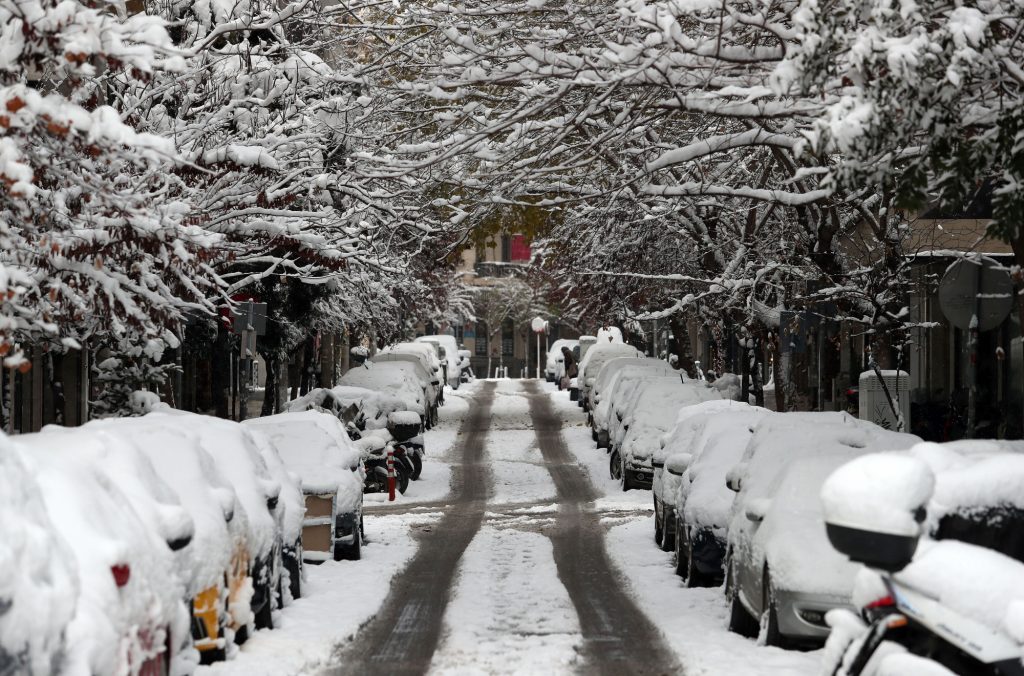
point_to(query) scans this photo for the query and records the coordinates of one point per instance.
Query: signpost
(539, 326)
(249, 322)
(975, 294)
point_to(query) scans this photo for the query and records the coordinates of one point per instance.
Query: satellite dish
(976, 287)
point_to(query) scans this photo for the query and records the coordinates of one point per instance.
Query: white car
(595, 358)
(396, 379)
(654, 412)
(611, 383)
(130, 606)
(219, 583)
(683, 438)
(781, 570)
(554, 368)
(451, 361)
(39, 584)
(699, 507)
(317, 449)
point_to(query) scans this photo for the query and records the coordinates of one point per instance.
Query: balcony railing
(499, 269)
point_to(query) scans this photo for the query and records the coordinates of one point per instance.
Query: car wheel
(354, 550)
(417, 466)
(668, 532)
(293, 563)
(626, 482)
(770, 615)
(265, 615)
(680, 557)
(614, 467)
(740, 621)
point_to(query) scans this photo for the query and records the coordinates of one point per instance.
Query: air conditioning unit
(874, 405)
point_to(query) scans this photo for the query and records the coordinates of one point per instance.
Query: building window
(481, 340)
(508, 338)
(506, 249)
(460, 334)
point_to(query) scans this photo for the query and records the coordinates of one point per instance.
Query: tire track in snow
(618, 637)
(403, 636)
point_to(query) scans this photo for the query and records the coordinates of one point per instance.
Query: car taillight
(878, 608)
(884, 602)
(122, 573)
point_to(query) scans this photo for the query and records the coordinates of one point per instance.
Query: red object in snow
(391, 475)
(122, 573)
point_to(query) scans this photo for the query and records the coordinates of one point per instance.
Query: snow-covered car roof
(703, 498)
(129, 590)
(393, 378)
(291, 507)
(191, 472)
(118, 457)
(315, 447)
(609, 371)
(655, 412)
(38, 581)
(786, 437)
(622, 383)
(599, 354)
(237, 456)
(972, 475)
(372, 407)
(426, 353)
(447, 341)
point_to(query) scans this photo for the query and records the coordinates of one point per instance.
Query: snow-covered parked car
(653, 413)
(130, 615)
(39, 586)
(781, 571)
(394, 378)
(316, 448)
(169, 525)
(217, 581)
(424, 355)
(701, 501)
(596, 357)
(616, 379)
(451, 365)
(682, 443)
(239, 460)
(554, 366)
(951, 603)
(291, 510)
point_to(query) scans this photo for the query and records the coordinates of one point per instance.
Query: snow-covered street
(515, 554)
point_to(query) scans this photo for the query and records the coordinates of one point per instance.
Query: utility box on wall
(873, 405)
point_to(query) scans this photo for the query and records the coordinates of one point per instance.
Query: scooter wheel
(417, 466)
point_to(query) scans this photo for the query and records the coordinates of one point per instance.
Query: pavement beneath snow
(546, 565)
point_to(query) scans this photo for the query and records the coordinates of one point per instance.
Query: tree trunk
(683, 353)
(269, 386)
(220, 376)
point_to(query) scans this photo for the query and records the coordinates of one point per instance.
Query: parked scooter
(376, 467)
(405, 428)
(874, 507)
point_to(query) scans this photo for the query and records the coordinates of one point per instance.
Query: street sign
(538, 325)
(979, 287)
(250, 316)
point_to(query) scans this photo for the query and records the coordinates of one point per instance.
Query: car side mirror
(677, 464)
(756, 508)
(734, 478)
